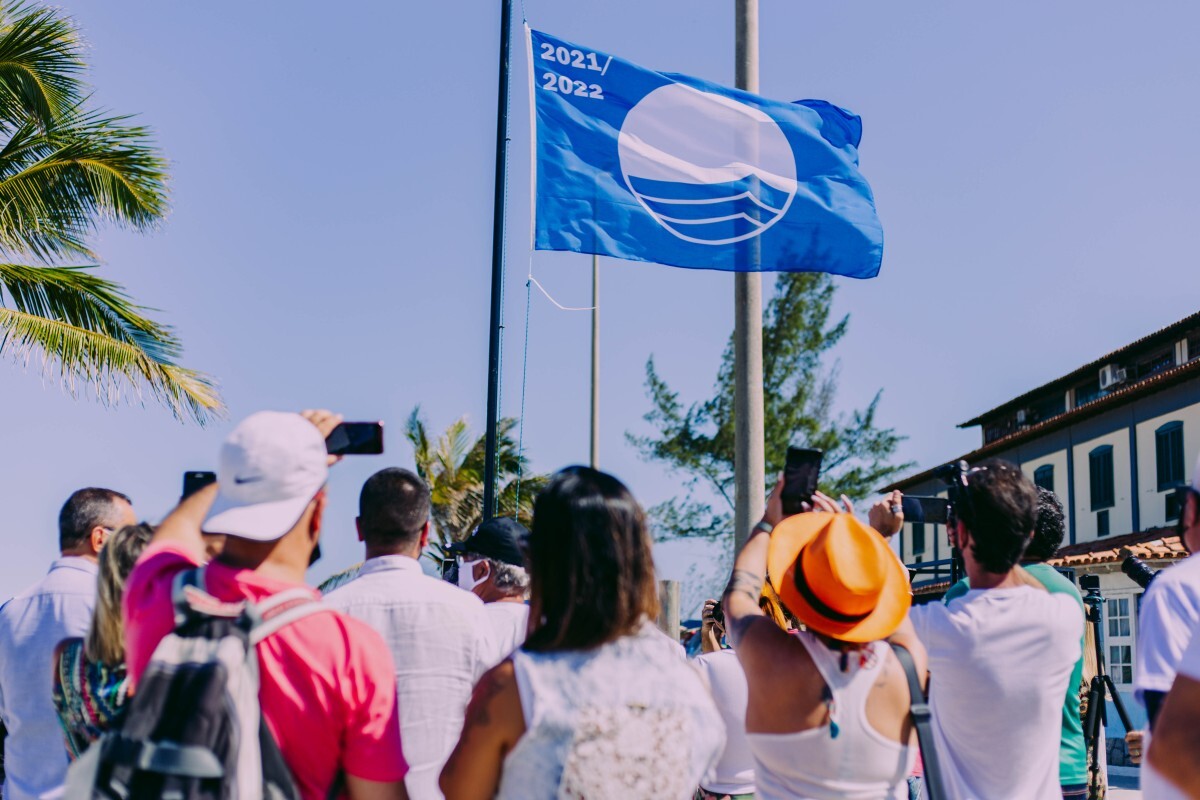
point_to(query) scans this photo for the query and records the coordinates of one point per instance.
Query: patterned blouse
(88, 697)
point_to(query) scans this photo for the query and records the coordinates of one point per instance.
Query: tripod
(1101, 686)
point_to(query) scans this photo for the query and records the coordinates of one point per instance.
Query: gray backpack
(194, 728)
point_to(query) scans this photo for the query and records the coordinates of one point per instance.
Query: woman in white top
(828, 710)
(597, 703)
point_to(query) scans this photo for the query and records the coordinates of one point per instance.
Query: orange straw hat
(838, 576)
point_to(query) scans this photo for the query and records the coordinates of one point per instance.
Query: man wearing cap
(326, 686)
(491, 565)
(437, 633)
(1170, 611)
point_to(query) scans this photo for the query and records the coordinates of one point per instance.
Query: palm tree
(453, 466)
(65, 169)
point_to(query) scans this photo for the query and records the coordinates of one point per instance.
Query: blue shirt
(57, 607)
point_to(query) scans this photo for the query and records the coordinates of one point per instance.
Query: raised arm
(182, 526)
(740, 599)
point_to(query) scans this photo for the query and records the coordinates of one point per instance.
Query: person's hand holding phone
(325, 421)
(887, 515)
(773, 513)
(711, 630)
(825, 503)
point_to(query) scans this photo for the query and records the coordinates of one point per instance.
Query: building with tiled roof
(1114, 439)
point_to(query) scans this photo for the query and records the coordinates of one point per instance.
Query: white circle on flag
(709, 169)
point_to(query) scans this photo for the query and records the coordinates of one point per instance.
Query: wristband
(763, 526)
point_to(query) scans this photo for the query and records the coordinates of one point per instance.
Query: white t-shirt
(734, 771)
(999, 664)
(508, 622)
(1154, 785)
(1170, 608)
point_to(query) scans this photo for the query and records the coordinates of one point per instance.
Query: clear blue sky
(1034, 166)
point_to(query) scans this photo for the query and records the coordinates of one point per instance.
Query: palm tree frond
(40, 62)
(57, 183)
(108, 364)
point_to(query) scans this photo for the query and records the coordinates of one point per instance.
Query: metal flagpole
(494, 329)
(749, 486)
(595, 448)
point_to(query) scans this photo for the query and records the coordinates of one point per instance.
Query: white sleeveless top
(859, 764)
(628, 719)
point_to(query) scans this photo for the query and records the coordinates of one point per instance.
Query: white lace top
(626, 720)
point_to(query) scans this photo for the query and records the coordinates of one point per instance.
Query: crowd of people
(190, 659)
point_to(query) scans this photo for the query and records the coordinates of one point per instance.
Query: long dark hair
(591, 570)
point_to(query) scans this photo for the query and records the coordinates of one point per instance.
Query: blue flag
(649, 166)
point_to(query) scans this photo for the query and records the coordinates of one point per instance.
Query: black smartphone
(195, 480)
(355, 439)
(800, 475)
(925, 509)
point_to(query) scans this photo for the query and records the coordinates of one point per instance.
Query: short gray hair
(510, 579)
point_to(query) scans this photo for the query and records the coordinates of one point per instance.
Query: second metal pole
(595, 442)
(749, 486)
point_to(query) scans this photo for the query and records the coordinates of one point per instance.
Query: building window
(1120, 640)
(1118, 616)
(1120, 663)
(1158, 363)
(1100, 470)
(1168, 446)
(1102, 523)
(1174, 506)
(918, 537)
(1043, 476)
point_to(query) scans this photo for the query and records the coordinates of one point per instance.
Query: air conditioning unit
(1111, 375)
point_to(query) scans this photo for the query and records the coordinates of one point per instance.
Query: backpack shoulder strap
(193, 578)
(922, 720)
(280, 610)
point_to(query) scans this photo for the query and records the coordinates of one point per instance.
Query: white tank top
(859, 764)
(629, 719)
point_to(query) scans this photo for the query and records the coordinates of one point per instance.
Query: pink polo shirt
(326, 682)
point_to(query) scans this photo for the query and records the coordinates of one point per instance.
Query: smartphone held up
(356, 439)
(800, 473)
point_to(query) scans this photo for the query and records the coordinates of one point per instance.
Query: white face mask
(466, 574)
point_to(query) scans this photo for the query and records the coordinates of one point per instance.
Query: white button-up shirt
(508, 622)
(439, 640)
(57, 607)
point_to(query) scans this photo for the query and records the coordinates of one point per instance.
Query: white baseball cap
(269, 470)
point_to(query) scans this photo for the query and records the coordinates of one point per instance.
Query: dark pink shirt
(326, 682)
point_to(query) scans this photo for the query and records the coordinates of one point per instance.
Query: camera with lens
(1138, 571)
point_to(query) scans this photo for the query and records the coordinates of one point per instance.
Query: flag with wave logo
(651, 166)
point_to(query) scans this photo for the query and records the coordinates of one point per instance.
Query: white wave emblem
(709, 169)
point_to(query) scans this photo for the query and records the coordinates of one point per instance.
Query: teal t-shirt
(1072, 754)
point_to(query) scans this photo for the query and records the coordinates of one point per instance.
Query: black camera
(954, 475)
(1137, 570)
(1089, 583)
